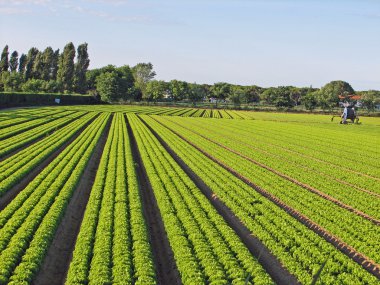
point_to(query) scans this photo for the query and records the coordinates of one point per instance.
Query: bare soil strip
(368, 264)
(271, 264)
(166, 268)
(56, 263)
(303, 185)
(13, 192)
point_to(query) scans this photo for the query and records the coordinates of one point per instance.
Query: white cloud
(24, 2)
(12, 11)
(85, 7)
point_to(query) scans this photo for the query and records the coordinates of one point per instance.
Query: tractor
(348, 114)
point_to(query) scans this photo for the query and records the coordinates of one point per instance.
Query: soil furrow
(166, 268)
(271, 264)
(57, 260)
(368, 264)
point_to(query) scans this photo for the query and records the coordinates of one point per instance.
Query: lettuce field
(157, 195)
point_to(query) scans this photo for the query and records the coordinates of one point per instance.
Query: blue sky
(263, 42)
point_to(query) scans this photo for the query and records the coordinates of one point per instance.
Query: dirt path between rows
(56, 263)
(361, 259)
(13, 192)
(271, 264)
(165, 266)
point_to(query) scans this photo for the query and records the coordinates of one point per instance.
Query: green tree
(92, 74)
(143, 73)
(283, 97)
(310, 100)
(52, 86)
(279, 97)
(33, 85)
(155, 90)
(178, 89)
(30, 58)
(221, 90)
(22, 64)
(237, 95)
(268, 96)
(295, 95)
(81, 67)
(251, 94)
(47, 58)
(54, 65)
(370, 99)
(107, 85)
(38, 66)
(196, 92)
(124, 81)
(328, 95)
(13, 61)
(11, 81)
(4, 63)
(65, 75)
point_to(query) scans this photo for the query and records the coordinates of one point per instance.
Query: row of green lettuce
(112, 246)
(16, 167)
(28, 224)
(300, 249)
(206, 249)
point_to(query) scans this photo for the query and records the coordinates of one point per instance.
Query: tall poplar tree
(47, 59)
(4, 63)
(22, 64)
(31, 57)
(13, 61)
(66, 67)
(81, 67)
(38, 66)
(54, 65)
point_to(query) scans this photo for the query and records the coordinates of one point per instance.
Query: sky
(248, 42)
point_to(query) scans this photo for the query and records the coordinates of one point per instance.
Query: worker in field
(349, 113)
(344, 115)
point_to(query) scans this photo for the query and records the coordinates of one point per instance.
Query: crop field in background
(160, 195)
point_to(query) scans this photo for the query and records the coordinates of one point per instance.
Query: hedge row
(31, 99)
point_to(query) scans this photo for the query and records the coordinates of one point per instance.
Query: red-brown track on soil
(13, 192)
(287, 177)
(165, 266)
(304, 167)
(56, 263)
(368, 264)
(271, 264)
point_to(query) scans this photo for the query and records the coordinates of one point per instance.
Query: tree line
(45, 71)
(52, 71)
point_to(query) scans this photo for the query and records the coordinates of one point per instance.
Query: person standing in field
(344, 115)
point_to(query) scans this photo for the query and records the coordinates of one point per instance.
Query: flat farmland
(157, 195)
